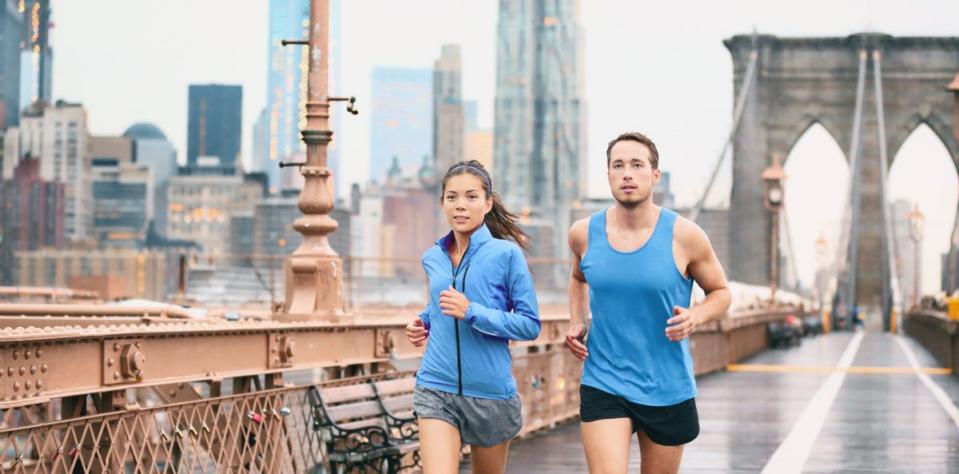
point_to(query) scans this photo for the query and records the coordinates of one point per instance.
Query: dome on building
(144, 131)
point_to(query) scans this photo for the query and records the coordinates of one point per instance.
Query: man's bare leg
(607, 445)
(658, 459)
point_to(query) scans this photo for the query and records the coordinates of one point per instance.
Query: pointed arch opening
(816, 191)
(923, 178)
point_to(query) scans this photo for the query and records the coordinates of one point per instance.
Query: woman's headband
(482, 173)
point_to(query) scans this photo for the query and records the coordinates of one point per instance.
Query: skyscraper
(58, 135)
(470, 115)
(122, 193)
(540, 127)
(151, 148)
(36, 55)
(202, 202)
(908, 256)
(31, 215)
(402, 119)
(663, 192)
(277, 132)
(11, 35)
(9, 158)
(215, 123)
(286, 86)
(448, 116)
(261, 146)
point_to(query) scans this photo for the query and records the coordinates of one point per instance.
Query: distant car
(785, 333)
(811, 325)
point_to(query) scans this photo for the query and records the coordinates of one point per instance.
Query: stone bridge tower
(803, 81)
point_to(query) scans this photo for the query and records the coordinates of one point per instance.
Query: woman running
(481, 297)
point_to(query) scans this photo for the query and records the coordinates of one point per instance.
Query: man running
(634, 265)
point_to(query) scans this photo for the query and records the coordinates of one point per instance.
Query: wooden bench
(367, 425)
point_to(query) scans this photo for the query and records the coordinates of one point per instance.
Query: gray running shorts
(480, 421)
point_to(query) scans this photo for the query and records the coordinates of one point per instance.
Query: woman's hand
(417, 333)
(453, 303)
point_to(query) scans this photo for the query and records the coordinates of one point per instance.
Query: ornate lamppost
(773, 177)
(314, 272)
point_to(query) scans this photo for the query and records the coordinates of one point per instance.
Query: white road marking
(791, 455)
(937, 391)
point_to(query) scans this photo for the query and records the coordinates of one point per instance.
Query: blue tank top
(631, 296)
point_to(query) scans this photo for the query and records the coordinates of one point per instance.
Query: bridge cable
(737, 115)
(790, 249)
(848, 243)
(887, 236)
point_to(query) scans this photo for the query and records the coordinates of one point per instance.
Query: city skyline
(684, 68)
(477, 38)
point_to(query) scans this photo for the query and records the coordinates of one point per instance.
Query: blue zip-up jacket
(472, 357)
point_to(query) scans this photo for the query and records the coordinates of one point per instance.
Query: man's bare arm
(578, 290)
(707, 272)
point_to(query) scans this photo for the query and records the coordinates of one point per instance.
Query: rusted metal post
(314, 271)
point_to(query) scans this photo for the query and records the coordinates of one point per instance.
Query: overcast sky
(657, 67)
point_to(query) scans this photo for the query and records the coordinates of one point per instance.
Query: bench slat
(363, 424)
(398, 404)
(335, 395)
(392, 387)
(354, 411)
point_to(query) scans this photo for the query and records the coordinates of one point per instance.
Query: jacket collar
(479, 237)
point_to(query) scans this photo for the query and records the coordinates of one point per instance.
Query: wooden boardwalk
(875, 415)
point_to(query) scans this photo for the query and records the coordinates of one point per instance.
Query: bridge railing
(937, 333)
(264, 431)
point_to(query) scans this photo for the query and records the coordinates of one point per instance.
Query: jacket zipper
(456, 322)
(459, 360)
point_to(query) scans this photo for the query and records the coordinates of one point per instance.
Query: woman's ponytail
(503, 224)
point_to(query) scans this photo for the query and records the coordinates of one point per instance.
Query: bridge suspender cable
(850, 245)
(737, 115)
(887, 235)
(790, 250)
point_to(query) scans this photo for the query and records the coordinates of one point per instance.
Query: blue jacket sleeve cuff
(470, 316)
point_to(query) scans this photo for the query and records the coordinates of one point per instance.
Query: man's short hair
(639, 138)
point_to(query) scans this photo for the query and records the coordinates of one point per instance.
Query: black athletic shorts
(671, 425)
